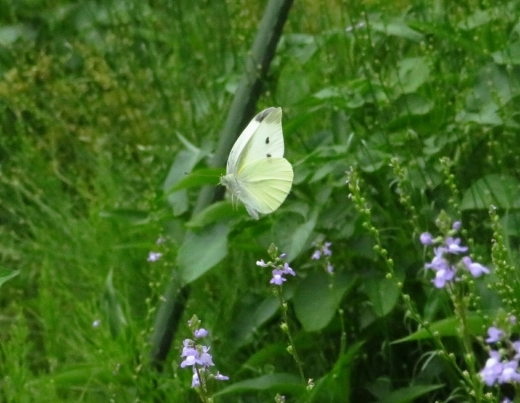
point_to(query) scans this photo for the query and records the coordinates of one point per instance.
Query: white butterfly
(257, 174)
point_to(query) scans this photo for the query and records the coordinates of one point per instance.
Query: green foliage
(109, 113)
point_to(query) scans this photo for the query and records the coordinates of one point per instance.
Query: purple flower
(330, 268)
(195, 381)
(154, 256)
(516, 346)
(476, 269)
(438, 262)
(200, 333)
(443, 276)
(454, 247)
(325, 249)
(192, 357)
(316, 255)
(493, 368)
(261, 263)
(495, 334)
(205, 358)
(283, 255)
(426, 238)
(220, 377)
(456, 225)
(509, 373)
(288, 270)
(277, 277)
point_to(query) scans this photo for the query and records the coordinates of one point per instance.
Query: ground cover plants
(389, 274)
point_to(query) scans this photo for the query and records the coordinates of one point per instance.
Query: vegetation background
(104, 105)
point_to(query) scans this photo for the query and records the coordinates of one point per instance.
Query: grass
(416, 102)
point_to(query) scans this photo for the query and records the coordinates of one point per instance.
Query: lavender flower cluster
(323, 250)
(198, 357)
(447, 263)
(502, 364)
(279, 269)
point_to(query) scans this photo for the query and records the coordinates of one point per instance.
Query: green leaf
(6, 275)
(336, 385)
(509, 55)
(409, 394)
(447, 328)
(277, 382)
(383, 294)
(200, 177)
(396, 28)
(202, 250)
(412, 73)
(253, 316)
(184, 162)
(317, 298)
(216, 212)
(501, 191)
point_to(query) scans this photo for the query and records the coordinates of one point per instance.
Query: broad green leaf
(510, 55)
(410, 393)
(277, 382)
(447, 328)
(396, 28)
(300, 238)
(202, 250)
(413, 104)
(299, 46)
(477, 19)
(252, 317)
(370, 160)
(383, 294)
(412, 73)
(501, 191)
(6, 275)
(200, 177)
(215, 212)
(317, 298)
(336, 385)
(184, 162)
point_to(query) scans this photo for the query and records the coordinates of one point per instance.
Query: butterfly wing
(263, 184)
(262, 138)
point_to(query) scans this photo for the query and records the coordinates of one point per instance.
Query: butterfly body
(256, 172)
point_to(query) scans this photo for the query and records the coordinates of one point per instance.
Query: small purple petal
(316, 255)
(457, 225)
(495, 334)
(200, 333)
(426, 238)
(454, 247)
(493, 369)
(220, 377)
(261, 263)
(325, 249)
(277, 277)
(154, 256)
(288, 270)
(195, 381)
(476, 269)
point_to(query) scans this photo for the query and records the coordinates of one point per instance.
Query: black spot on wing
(267, 140)
(268, 155)
(262, 115)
